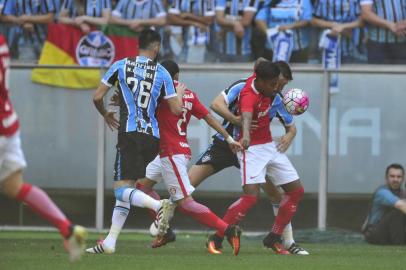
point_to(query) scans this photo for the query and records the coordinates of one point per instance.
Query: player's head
(395, 175)
(259, 60)
(172, 68)
(286, 74)
(149, 43)
(267, 77)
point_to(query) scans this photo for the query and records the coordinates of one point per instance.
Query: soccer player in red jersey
(12, 163)
(261, 156)
(175, 154)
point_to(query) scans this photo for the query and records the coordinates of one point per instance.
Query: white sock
(287, 235)
(120, 213)
(140, 199)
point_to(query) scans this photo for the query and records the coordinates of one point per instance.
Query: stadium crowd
(197, 31)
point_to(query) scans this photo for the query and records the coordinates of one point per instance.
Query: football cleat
(100, 248)
(160, 241)
(75, 244)
(274, 242)
(214, 244)
(153, 229)
(233, 234)
(297, 250)
(164, 215)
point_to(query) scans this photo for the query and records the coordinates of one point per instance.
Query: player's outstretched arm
(175, 103)
(286, 140)
(235, 146)
(220, 106)
(98, 96)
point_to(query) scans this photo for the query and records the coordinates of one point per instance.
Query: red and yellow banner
(67, 45)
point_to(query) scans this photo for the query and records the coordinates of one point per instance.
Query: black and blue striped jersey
(231, 96)
(145, 9)
(92, 8)
(141, 83)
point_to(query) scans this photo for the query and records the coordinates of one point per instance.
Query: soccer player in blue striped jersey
(137, 14)
(234, 19)
(29, 19)
(288, 15)
(386, 30)
(141, 83)
(343, 17)
(84, 14)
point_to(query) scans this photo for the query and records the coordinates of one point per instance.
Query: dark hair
(394, 166)
(147, 38)
(274, 3)
(267, 71)
(171, 67)
(285, 69)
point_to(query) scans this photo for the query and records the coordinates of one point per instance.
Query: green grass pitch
(44, 250)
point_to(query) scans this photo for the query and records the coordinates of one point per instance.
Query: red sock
(41, 204)
(287, 209)
(236, 212)
(149, 191)
(202, 214)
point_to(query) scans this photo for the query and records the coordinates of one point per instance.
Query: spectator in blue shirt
(343, 18)
(386, 221)
(138, 14)
(234, 26)
(84, 14)
(28, 20)
(386, 22)
(190, 25)
(287, 15)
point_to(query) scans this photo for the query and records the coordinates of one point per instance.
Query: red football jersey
(173, 129)
(253, 101)
(8, 118)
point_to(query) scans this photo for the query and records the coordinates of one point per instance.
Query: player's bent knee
(118, 192)
(275, 199)
(11, 186)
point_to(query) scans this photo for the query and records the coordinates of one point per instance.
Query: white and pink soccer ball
(296, 101)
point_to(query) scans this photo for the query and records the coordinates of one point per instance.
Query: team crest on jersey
(95, 49)
(172, 190)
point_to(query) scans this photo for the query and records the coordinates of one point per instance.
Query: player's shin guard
(287, 209)
(41, 204)
(120, 214)
(149, 191)
(202, 214)
(236, 212)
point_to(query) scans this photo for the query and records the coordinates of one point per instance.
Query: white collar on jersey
(253, 87)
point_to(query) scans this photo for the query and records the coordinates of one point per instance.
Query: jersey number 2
(181, 121)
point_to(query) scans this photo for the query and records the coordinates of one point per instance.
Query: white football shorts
(154, 170)
(11, 155)
(264, 159)
(176, 179)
